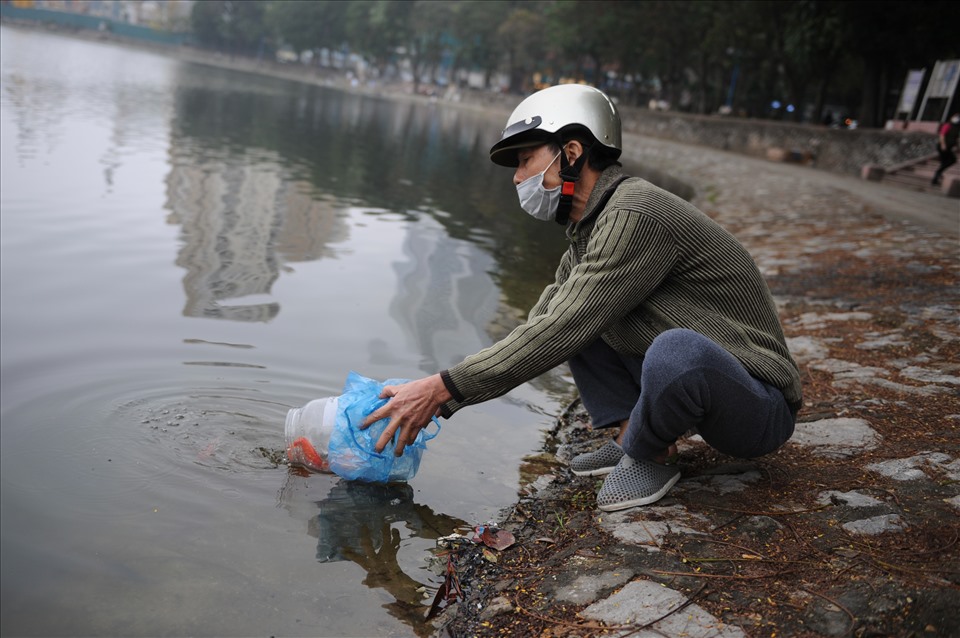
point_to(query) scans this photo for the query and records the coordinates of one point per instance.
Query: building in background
(163, 15)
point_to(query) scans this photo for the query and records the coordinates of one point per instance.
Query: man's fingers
(370, 420)
(401, 441)
(380, 413)
(385, 438)
(383, 412)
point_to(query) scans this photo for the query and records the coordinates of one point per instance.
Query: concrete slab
(724, 483)
(852, 498)
(648, 527)
(585, 589)
(644, 602)
(836, 438)
(805, 348)
(876, 525)
(911, 468)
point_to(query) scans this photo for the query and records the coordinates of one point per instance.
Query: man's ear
(573, 150)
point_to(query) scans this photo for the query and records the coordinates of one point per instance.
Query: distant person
(662, 315)
(947, 146)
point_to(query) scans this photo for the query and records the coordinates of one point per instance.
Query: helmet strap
(569, 175)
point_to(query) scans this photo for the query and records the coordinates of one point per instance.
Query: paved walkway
(699, 165)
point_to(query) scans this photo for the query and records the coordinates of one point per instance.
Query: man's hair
(599, 157)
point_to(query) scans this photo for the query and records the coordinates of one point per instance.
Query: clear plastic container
(308, 431)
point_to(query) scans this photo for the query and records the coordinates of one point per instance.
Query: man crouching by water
(662, 315)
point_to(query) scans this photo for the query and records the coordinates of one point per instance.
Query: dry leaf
(498, 539)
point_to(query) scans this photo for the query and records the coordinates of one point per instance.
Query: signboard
(911, 89)
(943, 83)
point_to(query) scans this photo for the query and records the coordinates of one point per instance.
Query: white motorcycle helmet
(543, 115)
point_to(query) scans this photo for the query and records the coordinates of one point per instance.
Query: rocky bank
(851, 529)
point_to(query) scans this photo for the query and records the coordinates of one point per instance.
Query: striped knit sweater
(647, 262)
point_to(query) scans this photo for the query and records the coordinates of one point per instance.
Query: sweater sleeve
(563, 272)
(627, 257)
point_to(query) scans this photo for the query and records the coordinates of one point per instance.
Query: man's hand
(410, 408)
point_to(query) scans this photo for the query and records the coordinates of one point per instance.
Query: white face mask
(538, 201)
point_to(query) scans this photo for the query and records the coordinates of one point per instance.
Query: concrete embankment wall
(837, 150)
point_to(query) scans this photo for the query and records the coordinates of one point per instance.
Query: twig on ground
(594, 626)
(853, 619)
(723, 576)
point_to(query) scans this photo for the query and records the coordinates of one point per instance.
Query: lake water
(188, 252)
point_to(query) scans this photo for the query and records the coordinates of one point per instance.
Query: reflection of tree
(366, 524)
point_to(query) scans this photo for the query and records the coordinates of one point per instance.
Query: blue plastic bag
(352, 453)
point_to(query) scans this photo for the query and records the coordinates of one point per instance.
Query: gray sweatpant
(684, 381)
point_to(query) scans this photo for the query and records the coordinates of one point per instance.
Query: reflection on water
(143, 201)
(260, 177)
(368, 524)
(440, 286)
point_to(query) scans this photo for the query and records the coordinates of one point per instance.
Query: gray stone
(848, 372)
(805, 349)
(760, 528)
(836, 438)
(643, 602)
(910, 468)
(876, 525)
(820, 320)
(727, 483)
(899, 469)
(542, 483)
(497, 606)
(951, 468)
(828, 620)
(636, 527)
(585, 589)
(878, 341)
(930, 376)
(852, 498)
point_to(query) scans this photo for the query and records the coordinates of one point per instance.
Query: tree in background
(521, 39)
(230, 25)
(699, 55)
(474, 30)
(378, 29)
(305, 26)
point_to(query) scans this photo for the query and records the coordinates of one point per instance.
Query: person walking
(947, 146)
(661, 314)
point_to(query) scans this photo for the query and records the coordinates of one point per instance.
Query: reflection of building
(310, 226)
(445, 296)
(236, 219)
